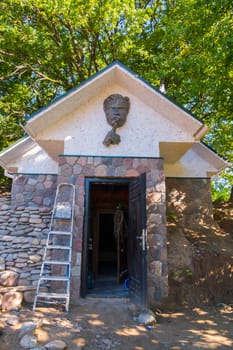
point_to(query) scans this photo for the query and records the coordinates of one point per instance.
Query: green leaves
(47, 47)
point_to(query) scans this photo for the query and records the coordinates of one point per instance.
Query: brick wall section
(34, 189)
(75, 169)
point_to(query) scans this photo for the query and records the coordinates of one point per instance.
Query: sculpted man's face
(116, 108)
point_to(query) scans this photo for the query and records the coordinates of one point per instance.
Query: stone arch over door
(74, 169)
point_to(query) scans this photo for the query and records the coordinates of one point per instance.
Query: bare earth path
(111, 324)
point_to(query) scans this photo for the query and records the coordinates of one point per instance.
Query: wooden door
(137, 241)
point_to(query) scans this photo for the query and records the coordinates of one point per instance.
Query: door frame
(89, 181)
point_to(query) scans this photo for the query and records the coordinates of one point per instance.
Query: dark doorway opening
(107, 243)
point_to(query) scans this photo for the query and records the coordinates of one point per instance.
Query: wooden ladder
(54, 280)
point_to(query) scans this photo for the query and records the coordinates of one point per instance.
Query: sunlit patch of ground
(108, 324)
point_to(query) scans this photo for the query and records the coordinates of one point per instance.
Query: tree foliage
(185, 46)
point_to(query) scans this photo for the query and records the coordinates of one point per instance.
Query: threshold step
(52, 295)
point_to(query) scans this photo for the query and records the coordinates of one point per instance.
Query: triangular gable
(115, 73)
(75, 124)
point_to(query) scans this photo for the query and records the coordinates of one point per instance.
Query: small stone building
(134, 166)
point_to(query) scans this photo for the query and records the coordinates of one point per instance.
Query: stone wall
(24, 224)
(189, 201)
(23, 233)
(190, 234)
(34, 189)
(75, 169)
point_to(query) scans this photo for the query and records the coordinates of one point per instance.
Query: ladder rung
(61, 218)
(53, 295)
(63, 233)
(58, 262)
(54, 278)
(50, 246)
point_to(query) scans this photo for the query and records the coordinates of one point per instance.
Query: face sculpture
(116, 108)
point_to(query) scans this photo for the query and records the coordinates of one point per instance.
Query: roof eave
(13, 151)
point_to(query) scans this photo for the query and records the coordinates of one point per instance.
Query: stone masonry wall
(24, 224)
(23, 233)
(189, 201)
(75, 169)
(189, 223)
(34, 189)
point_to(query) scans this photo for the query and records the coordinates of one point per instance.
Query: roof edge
(227, 164)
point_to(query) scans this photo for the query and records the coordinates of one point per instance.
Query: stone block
(12, 301)
(27, 327)
(156, 267)
(76, 271)
(23, 282)
(20, 265)
(78, 259)
(35, 220)
(35, 258)
(32, 181)
(56, 345)
(132, 172)
(29, 296)
(100, 170)
(154, 220)
(28, 341)
(9, 278)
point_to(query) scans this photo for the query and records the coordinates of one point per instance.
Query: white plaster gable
(75, 124)
(84, 129)
(130, 82)
(78, 119)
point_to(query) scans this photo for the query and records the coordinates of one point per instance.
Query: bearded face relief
(116, 108)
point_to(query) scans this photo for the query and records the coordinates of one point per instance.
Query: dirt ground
(101, 324)
(113, 324)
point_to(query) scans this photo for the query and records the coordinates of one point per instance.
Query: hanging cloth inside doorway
(119, 221)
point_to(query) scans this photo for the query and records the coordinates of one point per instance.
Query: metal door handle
(143, 238)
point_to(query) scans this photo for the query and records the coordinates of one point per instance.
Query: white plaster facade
(76, 125)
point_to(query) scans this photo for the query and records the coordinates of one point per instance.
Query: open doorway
(114, 256)
(107, 246)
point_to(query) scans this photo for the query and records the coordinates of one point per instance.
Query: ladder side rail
(70, 252)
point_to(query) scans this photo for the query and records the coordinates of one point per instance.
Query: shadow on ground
(112, 324)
